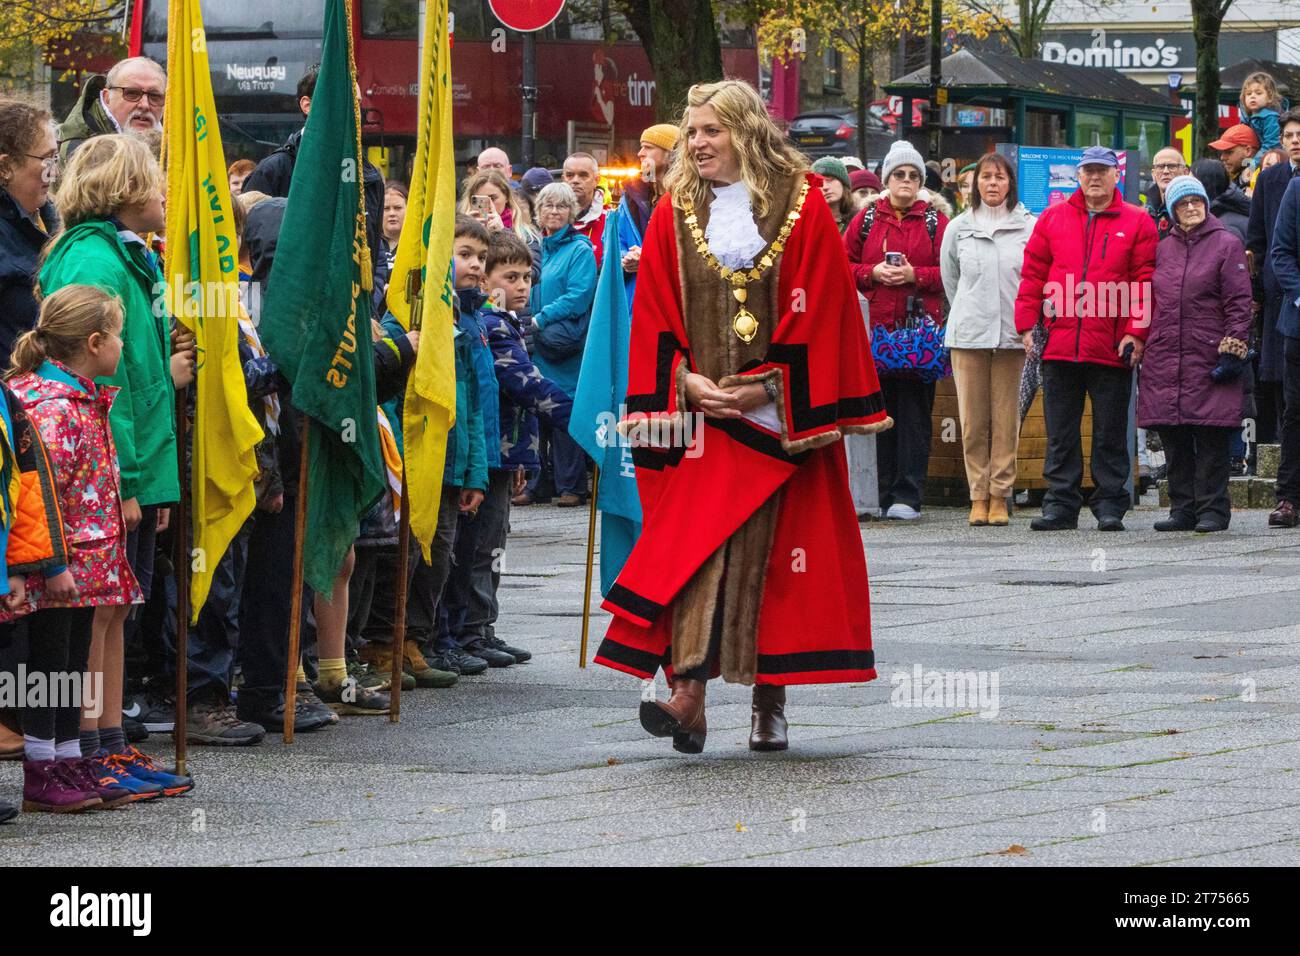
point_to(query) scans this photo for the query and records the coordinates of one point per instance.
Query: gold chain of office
(744, 324)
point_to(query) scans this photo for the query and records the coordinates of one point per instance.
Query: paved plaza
(1133, 701)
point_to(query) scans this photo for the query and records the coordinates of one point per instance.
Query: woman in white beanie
(982, 253)
(893, 246)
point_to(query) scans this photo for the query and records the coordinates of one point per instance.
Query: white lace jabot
(731, 234)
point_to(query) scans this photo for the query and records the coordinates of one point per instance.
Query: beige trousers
(988, 400)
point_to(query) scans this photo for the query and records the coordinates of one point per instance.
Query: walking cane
(591, 549)
(295, 600)
(399, 611)
(180, 560)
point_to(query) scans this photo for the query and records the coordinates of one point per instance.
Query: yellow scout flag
(202, 271)
(429, 409)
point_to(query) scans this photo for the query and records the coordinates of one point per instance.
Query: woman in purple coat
(1190, 387)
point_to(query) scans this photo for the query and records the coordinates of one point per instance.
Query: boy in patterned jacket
(524, 393)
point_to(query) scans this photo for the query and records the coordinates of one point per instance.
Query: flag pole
(415, 296)
(399, 612)
(295, 601)
(181, 565)
(591, 551)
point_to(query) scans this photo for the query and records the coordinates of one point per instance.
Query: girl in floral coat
(76, 340)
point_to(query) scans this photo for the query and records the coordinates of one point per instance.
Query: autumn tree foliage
(859, 29)
(63, 32)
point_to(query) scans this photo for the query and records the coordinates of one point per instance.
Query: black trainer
(458, 661)
(135, 731)
(304, 720)
(518, 653)
(1054, 523)
(495, 657)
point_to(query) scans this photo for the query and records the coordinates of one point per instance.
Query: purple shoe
(105, 787)
(49, 787)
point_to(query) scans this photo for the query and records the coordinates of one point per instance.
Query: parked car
(835, 133)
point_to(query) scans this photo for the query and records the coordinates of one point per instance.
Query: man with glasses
(1167, 164)
(129, 99)
(1087, 275)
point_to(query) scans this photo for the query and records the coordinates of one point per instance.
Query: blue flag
(597, 405)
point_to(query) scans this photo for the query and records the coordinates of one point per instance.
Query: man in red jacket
(1087, 275)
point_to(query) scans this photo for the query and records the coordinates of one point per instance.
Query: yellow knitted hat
(663, 135)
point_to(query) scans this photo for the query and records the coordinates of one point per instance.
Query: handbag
(914, 350)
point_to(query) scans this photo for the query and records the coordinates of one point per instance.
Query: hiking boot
(105, 787)
(351, 699)
(142, 767)
(379, 658)
(568, 501)
(214, 723)
(366, 676)
(518, 653)
(458, 661)
(103, 771)
(414, 663)
(495, 658)
(48, 787)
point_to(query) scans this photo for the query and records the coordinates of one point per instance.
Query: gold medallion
(745, 325)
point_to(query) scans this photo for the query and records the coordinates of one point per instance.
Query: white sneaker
(901, 512)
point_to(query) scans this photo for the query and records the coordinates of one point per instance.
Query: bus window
(390, 19)
(246, 19)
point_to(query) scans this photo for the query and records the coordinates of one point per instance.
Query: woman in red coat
(893, 245)
(748, 363)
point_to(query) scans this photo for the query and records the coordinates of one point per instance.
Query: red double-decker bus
(258, 49)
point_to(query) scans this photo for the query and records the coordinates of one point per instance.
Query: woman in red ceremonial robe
(748, 363)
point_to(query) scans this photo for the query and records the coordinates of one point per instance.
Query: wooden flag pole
(180, 526)
(415, 296)
(591, 551)
(295, 601)
(399, 611)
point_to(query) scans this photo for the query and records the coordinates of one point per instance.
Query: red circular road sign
(526, 15)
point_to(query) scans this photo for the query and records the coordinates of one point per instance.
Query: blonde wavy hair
(521, 220)
(765, 156)
(69, 317)
(106, 174)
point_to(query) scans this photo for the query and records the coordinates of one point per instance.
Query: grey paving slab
(1101, 645)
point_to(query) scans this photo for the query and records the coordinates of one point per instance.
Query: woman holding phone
(489, 199)
(893, 246)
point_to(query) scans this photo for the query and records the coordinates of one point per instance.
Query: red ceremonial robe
(803, 576)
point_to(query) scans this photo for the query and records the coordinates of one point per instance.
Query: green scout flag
(316, 311)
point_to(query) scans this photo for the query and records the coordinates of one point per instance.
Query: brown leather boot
(681, 716)
(979, 513)
(769, 727)
(998, 512)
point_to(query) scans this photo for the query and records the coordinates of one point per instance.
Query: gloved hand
(1229, 369)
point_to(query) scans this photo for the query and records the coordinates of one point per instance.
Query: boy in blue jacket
(523, 394)
(465, 477)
